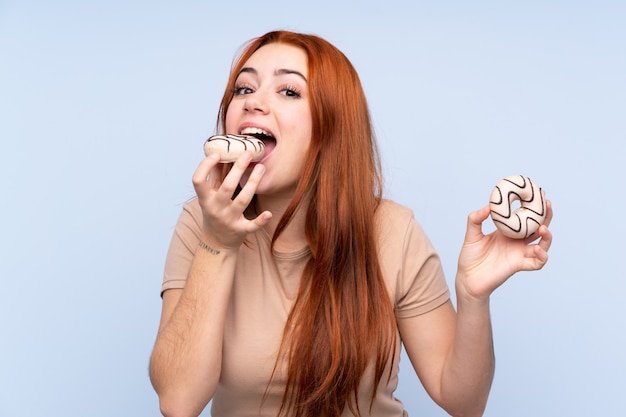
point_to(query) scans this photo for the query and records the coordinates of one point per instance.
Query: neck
(292, 237)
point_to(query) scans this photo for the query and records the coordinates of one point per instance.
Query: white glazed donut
(230, 147)
(525, 220)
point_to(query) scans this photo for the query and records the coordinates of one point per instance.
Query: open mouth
(267, 138)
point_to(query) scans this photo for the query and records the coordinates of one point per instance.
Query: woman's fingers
(222, 210)
(208, 177)
(248, 190)
(206, 174)
(539, 255)
(474, 224)
(546, 238)
(231, 181)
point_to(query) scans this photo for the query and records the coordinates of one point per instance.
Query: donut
(230, 147)
(526, 219)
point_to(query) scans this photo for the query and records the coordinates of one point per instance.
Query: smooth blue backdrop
(103, 110)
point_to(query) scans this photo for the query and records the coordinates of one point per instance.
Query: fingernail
(259, 169)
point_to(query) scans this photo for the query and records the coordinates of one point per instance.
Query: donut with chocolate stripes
(230, 147)
(524, 221)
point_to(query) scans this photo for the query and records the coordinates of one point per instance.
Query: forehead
(278, 56)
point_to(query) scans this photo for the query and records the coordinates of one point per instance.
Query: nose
(255, 102)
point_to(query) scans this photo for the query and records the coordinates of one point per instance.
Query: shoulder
(394, 220)
(391, 207)
(409, 262)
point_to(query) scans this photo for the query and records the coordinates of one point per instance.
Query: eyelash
(289, 90)
(237, 89)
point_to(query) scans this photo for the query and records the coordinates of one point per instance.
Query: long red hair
(342, 318)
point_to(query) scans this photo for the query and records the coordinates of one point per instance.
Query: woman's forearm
(469, 370)
(186, 361)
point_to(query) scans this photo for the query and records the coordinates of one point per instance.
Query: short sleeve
(182, 246)
(421, 283)
(410, 264)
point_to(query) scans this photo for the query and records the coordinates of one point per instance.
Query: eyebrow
(281, 71)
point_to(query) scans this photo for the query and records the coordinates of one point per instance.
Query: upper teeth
(254, 131)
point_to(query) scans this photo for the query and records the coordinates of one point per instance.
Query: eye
(290, 91)
(241, 89)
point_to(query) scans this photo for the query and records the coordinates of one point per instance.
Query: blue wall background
(103, 110)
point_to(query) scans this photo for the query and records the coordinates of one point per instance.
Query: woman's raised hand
(224, 224)
(487, 261)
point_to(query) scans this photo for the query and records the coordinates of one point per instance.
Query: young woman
(290, 283)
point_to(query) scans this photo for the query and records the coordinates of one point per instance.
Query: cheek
(305, 141)
(231, 121)
(298, 155)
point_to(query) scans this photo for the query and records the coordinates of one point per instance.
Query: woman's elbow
(474, 411)
(179, 407)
